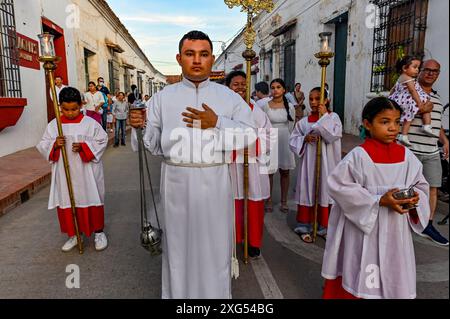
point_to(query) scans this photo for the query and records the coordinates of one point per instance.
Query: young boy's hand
(311, 138)
(76, 147)
(388, 200)
(322, 110)
(60, 141)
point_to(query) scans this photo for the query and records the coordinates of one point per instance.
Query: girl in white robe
(369, 252)
(86, 142)
(258, 174)
(303, 142)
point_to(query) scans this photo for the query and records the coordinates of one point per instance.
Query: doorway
(340, 65)
(60, 49)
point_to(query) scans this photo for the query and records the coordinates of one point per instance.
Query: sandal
(306, 237)
(322, 234)
(284, 208)
(269, 206)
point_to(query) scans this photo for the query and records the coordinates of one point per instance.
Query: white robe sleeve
(152, 131)
(297, 139)
(237, 132)
(329, 127)
(423, 188)
(45, 146)
(98, 143)
(264, 125)
(356, 202)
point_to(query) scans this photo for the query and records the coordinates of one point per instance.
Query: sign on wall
(28, 52)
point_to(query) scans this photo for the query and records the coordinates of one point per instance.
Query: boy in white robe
(369, 252)
(191, 124)
(303, 142)
(86, 142)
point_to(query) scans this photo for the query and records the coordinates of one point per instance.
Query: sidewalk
(23, 174)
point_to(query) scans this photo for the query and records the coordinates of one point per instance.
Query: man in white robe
(188, 124)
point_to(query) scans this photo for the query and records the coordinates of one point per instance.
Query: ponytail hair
(285, 100)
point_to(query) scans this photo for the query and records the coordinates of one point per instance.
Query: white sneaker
(428, 130)
(404, 140)
(101, 242)
(70, 244)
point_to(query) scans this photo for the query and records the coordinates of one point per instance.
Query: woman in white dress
(281, 114)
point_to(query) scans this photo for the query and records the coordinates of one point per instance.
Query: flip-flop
(324, 236)
(306, 237)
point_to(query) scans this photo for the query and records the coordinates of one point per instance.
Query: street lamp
(252, 7)
(49, 59)
(324, 55)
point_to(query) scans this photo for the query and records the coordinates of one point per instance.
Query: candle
(325, 42)
(47, 46)
(325, 47)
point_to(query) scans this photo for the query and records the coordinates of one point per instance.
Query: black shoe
(433, 234)
(116, 145)
(123, 144)
(254, 252)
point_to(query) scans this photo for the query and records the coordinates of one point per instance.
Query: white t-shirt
(58, 90)
(93, 100)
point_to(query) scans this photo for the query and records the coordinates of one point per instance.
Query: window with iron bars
(400, 31)
(10, 85)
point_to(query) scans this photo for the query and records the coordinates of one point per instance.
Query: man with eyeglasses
(426, 148)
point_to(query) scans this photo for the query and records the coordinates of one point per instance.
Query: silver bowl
(406, 193)
(151, 239)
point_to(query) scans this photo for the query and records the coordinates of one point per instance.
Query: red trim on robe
(414, 216)
(76, 120)
(392, 153)
(333, 290)
(255, 222)
(86, 153)
(314, 117)
(382, 153)
(55, 153)
(305, 215)
(90, 219)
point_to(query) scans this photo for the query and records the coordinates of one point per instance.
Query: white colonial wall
(437, 43)
(31, 125)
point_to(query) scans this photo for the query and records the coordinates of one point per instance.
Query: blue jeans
(120, 126)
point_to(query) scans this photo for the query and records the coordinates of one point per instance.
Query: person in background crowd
(425, 147)
(282, 115)
(262, 93)
(120, 110)
(106, 107)
(58, 86)
(93, 103)
(297, 98)
(134, 95)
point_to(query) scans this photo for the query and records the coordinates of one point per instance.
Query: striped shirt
(423, 144)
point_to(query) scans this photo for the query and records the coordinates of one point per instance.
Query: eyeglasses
(431, 71)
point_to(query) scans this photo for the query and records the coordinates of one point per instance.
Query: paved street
(33, 266)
